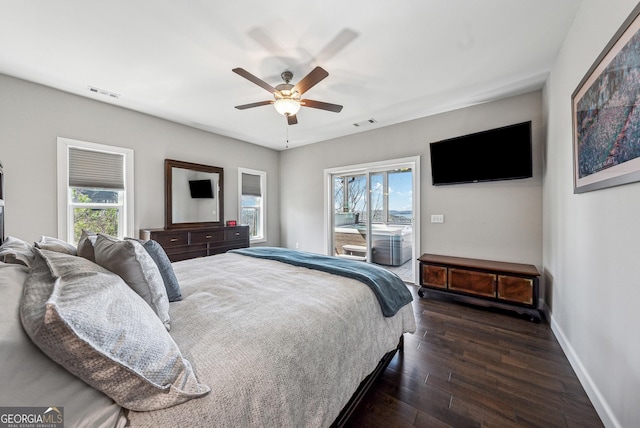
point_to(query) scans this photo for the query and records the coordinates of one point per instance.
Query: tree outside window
(95, 210)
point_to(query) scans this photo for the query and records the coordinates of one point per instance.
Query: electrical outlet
(437, 218)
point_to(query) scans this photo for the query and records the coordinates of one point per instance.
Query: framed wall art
(606, 114)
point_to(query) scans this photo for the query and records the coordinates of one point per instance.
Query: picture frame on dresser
(606, 147)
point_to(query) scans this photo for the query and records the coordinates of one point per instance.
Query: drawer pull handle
(237, 233)
(208, 236)
(174, 239)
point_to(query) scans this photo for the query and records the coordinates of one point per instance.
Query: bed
(254, 341)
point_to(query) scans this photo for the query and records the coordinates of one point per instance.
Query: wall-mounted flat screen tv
(497, 154)
(201, 189)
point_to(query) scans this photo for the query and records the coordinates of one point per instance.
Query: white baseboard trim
(599, 403)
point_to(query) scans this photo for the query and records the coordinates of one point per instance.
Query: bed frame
(365, 386)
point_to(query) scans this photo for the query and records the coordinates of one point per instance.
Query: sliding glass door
(372, 215)
(351, 215)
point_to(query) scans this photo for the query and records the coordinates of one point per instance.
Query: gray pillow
(85, 245)
(89, 321)
(29, 378)
(16, 251)
(131, 261)
(55, 244)
(159, 256)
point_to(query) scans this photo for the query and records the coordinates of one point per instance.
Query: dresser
(511, 286)
(182, 244)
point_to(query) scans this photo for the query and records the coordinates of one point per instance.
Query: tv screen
(201, 189)
(497, 154)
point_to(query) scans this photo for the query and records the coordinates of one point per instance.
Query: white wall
(496, 220)
(33, 116)
(592, 240)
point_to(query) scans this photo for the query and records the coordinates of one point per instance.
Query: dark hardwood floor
(474, 367)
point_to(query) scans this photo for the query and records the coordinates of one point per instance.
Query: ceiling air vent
(365, 122)
(103, 92)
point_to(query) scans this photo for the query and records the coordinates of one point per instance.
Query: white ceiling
(389, 60)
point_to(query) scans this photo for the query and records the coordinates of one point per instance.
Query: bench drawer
(472, 282)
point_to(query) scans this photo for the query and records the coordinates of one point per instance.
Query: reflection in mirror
(194, 195)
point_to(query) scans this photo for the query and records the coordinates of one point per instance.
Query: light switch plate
(437, 218)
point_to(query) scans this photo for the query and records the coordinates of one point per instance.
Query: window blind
(96, 170)
(251, 185)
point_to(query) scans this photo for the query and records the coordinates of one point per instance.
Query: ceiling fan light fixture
(287, 96)
(287, 106)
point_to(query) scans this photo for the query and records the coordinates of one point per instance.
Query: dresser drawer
(171, 239)
(189, 243)
(207, 236)
(472, 282)
(176, 254)
(234, 234)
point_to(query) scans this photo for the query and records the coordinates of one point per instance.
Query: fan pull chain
(287, 145)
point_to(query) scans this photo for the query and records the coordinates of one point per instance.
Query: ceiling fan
(287, 97)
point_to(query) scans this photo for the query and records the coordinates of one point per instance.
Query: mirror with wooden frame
(194, 195)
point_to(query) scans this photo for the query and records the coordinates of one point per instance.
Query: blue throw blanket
(390, 290)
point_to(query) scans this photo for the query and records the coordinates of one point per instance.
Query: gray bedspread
(279, 345)
(389, 289)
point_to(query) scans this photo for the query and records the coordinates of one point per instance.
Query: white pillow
(55, 244)
(16, 251)
(89, 321)
(159, 256)
(133, 263)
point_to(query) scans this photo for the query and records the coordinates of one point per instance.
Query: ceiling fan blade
(244, 73)
(339, 42)
(292, 119)
(321, 105)
(264, 39)
(310, 80)
(258, 104)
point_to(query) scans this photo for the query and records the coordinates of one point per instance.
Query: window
(95, 189)
(400, 193)
(252, 188)
(350, 193)
(388, 196)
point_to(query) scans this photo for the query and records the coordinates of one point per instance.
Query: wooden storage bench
(512, 286)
